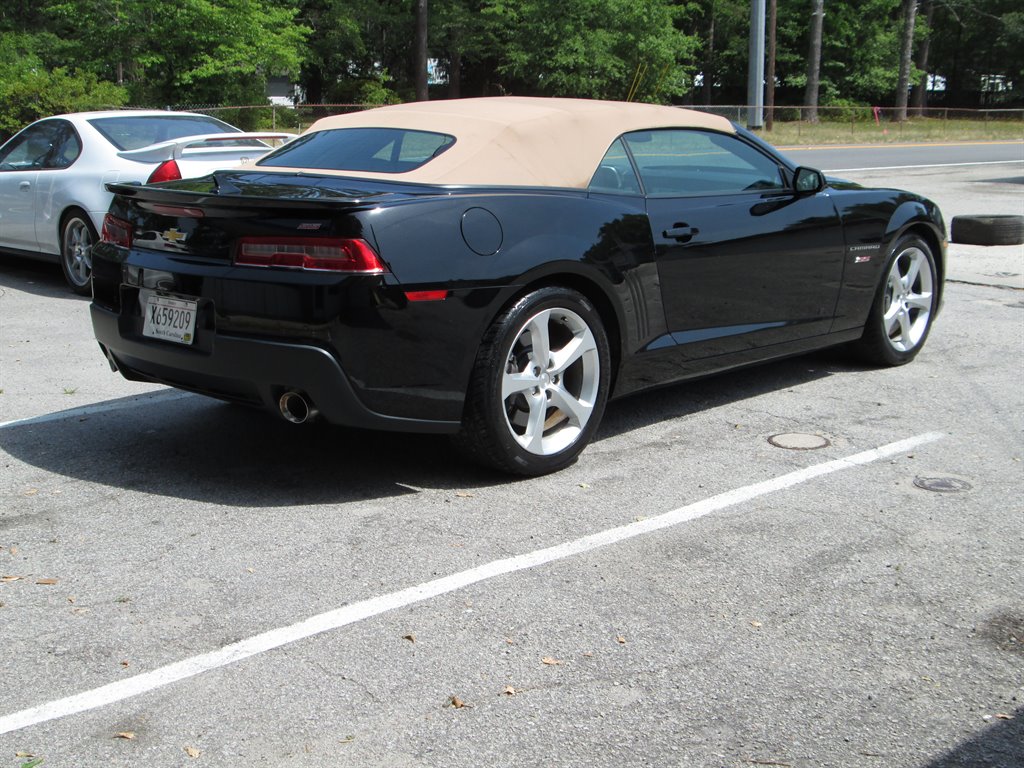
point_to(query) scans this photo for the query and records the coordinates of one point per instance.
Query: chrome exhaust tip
(296, 408)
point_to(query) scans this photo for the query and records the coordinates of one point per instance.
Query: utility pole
(755, 70)
(769, 85)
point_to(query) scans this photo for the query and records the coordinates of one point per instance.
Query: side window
(615, 173)
(66, 147)
(29, 150)
(694, 162)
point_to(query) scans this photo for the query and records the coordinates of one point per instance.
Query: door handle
(24, 184)
(680, 232)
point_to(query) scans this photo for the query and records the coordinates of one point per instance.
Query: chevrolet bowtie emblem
(174, 235)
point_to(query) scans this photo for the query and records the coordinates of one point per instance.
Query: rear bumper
(248, 370)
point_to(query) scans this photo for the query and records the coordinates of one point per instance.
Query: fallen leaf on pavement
(620, 640)
(46, 582)
(509, 691)
(13, 551)
(1003, 716)
(7, 579)
(457, 703)
(129, 735)
(551, 661)
(31, 491)
(192, 752)
(410, 637)
(464, 494)
(756, 624)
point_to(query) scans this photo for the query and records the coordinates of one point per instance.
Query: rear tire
(539, 385)
(77, 237)
(904, 307)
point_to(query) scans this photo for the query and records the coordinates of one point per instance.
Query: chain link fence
(866, 123)
(790, 124)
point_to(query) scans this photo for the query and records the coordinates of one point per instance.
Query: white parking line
(350, 614)
(163, 396)
(908, 167)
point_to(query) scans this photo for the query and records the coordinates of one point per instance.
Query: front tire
(539, 385)
(77, 238)
(904, 307)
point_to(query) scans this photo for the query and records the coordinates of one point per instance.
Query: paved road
(904, 156)
(824, 613)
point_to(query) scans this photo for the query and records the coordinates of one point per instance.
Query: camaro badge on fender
(862, 257)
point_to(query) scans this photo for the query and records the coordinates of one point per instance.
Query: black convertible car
(498, 268)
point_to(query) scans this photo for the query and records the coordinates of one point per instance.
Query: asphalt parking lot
(183, 582)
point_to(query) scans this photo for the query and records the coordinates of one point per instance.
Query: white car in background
(53, 174)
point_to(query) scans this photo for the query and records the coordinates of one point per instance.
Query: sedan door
(20, 161)
(30, 165)
(744, 260)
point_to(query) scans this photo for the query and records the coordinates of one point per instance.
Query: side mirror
(808, 181)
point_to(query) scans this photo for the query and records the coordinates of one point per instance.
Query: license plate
(170, 319)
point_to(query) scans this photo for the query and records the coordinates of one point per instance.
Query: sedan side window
(692, 162)
(29, 150)
(66, 147)
(51, 144)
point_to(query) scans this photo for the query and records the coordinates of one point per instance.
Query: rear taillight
(316, 254)
(168, 170)
(116, 231)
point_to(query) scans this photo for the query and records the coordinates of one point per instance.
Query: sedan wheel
(77, 240)
(540, 384)
(905, 306)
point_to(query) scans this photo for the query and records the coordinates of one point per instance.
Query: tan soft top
(519, 141)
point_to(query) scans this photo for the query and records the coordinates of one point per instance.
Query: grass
(918, 129)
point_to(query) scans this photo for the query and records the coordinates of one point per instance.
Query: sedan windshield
(375, 150)
(127, 132)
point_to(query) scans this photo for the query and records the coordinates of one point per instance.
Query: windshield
(375, 150)
(127, 132)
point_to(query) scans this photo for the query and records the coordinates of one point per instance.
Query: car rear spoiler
(173, 149)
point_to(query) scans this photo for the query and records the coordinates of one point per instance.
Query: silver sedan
(53, 174)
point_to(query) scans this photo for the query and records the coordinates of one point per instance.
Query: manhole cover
(942, 484)
(798, 441)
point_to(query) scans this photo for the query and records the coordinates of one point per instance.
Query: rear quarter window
(373, 150)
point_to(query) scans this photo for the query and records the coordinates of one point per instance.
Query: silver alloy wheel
(909, 298)
(77, 251)
(551, 381)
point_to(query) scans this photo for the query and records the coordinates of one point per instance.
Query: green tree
(30, 90)
(977, 46)
(199, 51)
(592, 48)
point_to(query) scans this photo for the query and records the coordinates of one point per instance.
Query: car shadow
(40, 278)
(190, 447)
(679, 400)
(1001, 745)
